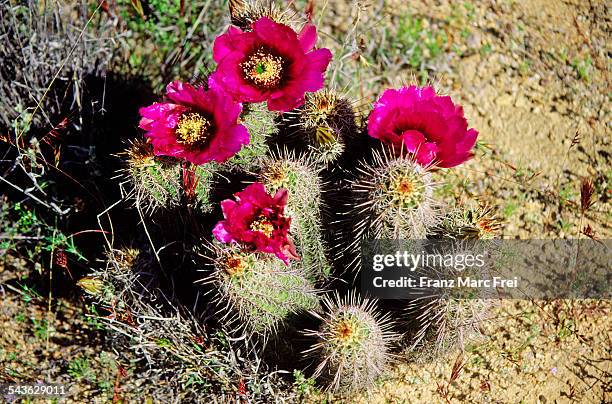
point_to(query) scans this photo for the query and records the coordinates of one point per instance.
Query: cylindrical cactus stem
(352, 344)
(323, 124)
(261, 125)
(392, 198)
(161, 182)
(256, 292)
(300, 176)
(467, 222)
(197, 184)
(156, 180)
(446, 319)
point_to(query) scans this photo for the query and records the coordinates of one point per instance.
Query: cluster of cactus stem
(447, 319)
(352, 346)
(301, 177)
(256, 293)
(386, 194)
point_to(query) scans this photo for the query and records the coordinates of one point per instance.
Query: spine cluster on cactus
(352, 345)
(392, 198)
(300, 176)
(156, 180)
(245, 12)
(323, 124)
(256, 292)
(463, 222)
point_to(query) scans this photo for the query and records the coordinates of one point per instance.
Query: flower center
(262, 224)
(193, 128)
(263, 69)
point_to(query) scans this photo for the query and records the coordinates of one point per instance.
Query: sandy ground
(532, 352)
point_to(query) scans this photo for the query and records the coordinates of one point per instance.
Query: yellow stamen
(192, 128)
(262, 224)
(263, 69)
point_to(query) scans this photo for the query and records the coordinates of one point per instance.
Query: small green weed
(80, 369)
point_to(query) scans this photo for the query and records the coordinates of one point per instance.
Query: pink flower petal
(308, 37)
(431, 126)
(227, 43)
(160, 114)
(278, 36)
(468, 141)
(285, 103)
(412, 140)
(221, 233)
(317, 61)
(182, 93)
(426, 153)
(281, 196)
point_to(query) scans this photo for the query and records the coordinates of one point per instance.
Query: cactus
(161, 182)
(391, 199)
(260, 124)
(352, 344)
(244, 12)
(300, 176)
(446, 319)
(204, 180)
(275, 250)
(323, 124)
(467, 223)
(257, 291)
(156, 180)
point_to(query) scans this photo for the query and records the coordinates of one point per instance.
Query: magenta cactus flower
(257, 220)
(270, 63)
(198, 125)
(425, 124)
